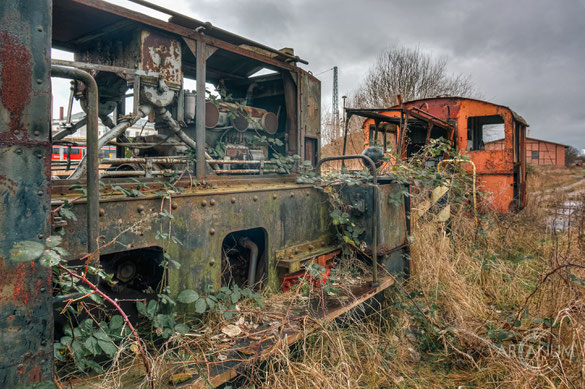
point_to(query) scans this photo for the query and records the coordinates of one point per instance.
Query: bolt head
(292, 194)
(140, 208)
(40, 28)
(255, 198)
(174, 205)
(101, 212)
(212, 202)
(203, 203)
(274, 196)
(211, 263)
(39, 81)
(212, 231)
(18, 151)
(233, 200)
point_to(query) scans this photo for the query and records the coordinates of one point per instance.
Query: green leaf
(152, 308)
(77, 349)
(141, 308)
(94, 366)
(26, 251)
(86, 326)
(91, 344)
(67, 214)
(182, 328)
(66, 340)
(116, 322)
(108, 347)
(101, 335)
(210, 301)
(50, 258)
(188, 296)
(164, 321)
(236, 296)
(54, 241)
(200, 305)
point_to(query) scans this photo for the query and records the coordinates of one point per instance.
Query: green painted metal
(26, 328)
(291, 214)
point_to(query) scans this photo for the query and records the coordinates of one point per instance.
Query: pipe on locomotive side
(92, 161)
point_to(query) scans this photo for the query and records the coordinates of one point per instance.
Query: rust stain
(35, 374)
(21, 284)
(16, 80)
(7, 186)
(162, 54)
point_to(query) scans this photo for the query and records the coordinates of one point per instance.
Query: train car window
(75, 151)
(484, 129)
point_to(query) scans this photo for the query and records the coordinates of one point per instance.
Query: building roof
(527, 138)
(547, 141)
(516, 116)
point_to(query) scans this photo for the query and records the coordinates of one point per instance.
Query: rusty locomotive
(239, 196)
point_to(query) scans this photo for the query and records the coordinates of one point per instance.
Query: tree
(571, 155)
(412, 74)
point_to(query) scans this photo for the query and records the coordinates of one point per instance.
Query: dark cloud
(527, 54)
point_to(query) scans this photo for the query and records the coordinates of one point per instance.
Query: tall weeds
(500, 305)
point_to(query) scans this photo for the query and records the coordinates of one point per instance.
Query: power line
(324, 71)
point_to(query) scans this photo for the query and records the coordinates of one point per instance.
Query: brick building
(538, 152)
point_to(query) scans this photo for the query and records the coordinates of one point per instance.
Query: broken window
(484, 129)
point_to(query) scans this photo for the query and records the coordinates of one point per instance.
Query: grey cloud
(527, 54)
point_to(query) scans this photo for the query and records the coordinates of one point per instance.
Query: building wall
(544, 153)
(495, 145)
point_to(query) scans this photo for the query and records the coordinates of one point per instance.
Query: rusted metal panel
(25, 299)
(310, 115)
(109, 13)
(501, 171)
(310, 105)
(291, 214)
(162, 54)
(295, 217)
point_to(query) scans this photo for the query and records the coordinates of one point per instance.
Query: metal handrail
(372, 168)
(93, 201)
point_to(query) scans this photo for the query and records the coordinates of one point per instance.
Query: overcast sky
(526, 54)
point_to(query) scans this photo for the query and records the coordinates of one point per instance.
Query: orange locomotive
(471, 125)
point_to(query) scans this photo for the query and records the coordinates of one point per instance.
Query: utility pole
(342, 126)
(335, 102)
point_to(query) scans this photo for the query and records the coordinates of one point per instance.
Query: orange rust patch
(16, 78)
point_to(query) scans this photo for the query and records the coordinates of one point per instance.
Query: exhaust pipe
(253, 247)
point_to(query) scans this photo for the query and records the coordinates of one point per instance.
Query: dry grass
(475, 300)
(484, 295)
